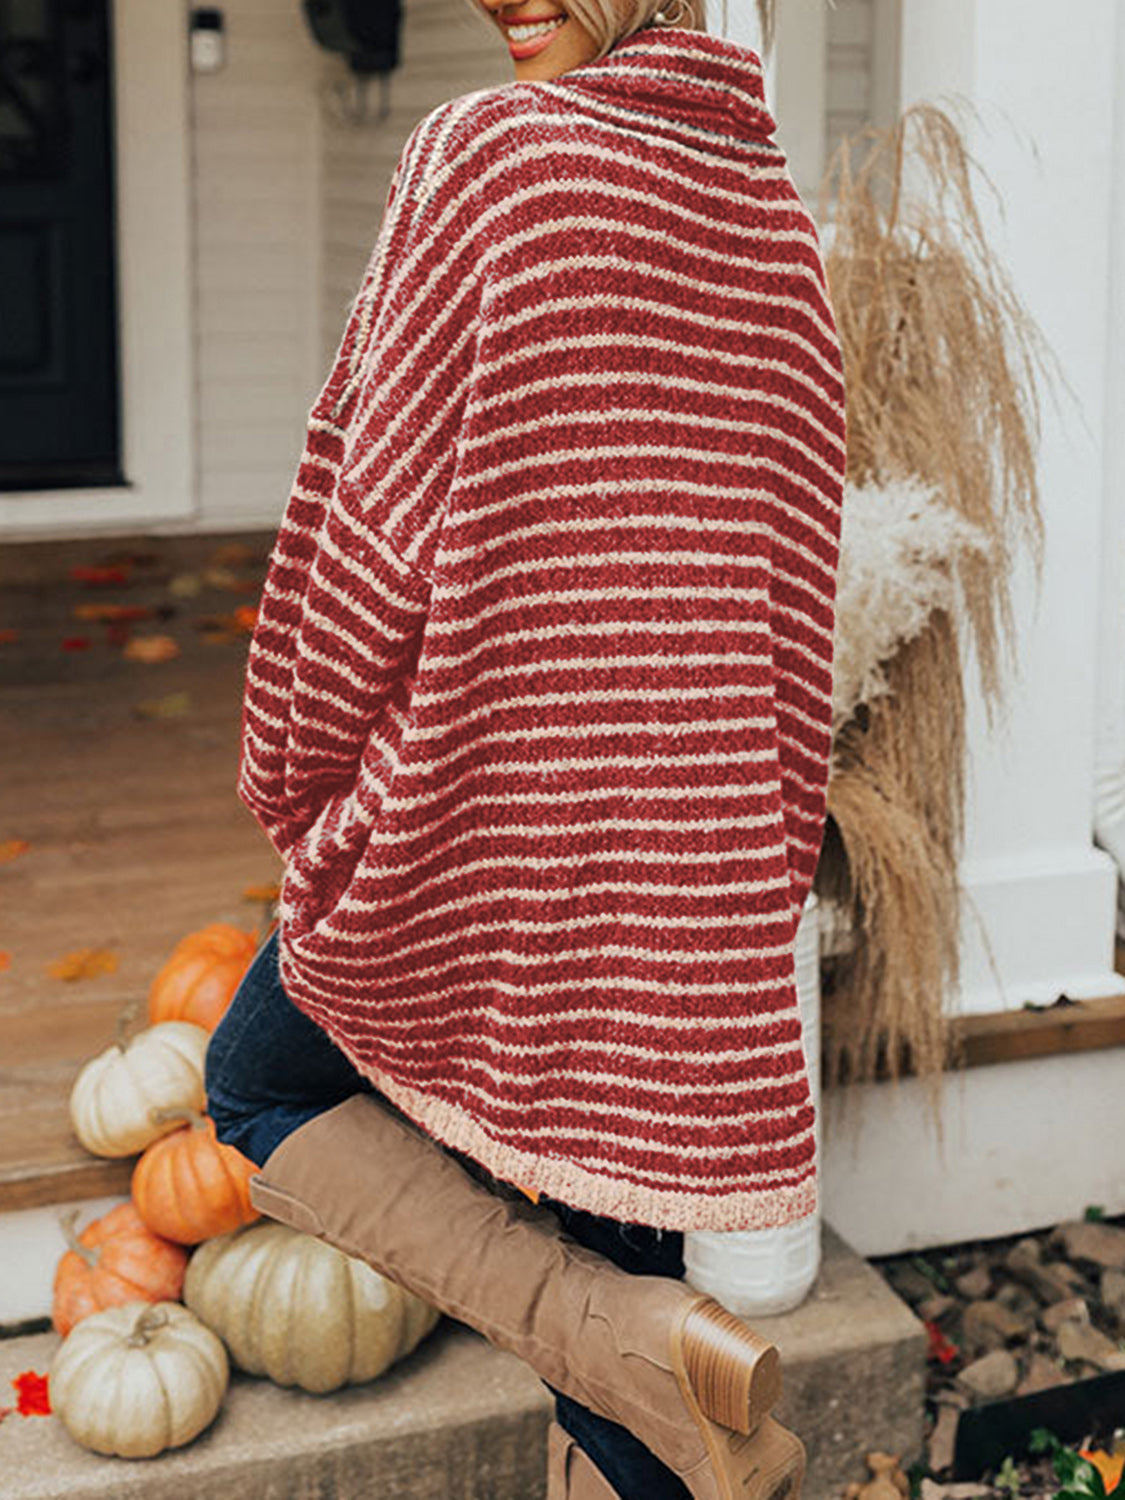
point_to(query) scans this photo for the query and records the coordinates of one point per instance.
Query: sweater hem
(568, 1182)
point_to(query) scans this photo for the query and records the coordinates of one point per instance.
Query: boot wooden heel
(735, 1374)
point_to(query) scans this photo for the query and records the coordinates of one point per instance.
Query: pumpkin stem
(194, 1117)
(67, 1222)
(148, 1322)
(124, 1020)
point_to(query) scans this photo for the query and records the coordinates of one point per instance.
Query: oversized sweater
(538, 704)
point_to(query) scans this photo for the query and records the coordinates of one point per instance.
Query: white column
(1039, 905)
(1023, 1146)
(1109, 822)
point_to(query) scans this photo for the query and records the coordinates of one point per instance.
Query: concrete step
(460, 1420)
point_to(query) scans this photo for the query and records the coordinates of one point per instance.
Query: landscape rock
(1042, 1374)
(995, 1375)
(1083, 1341)
(1103, 1244)
(1073, 1310)
(941, 1442)
(1112, 1293)
(1051, 1281)
(966, 1490)
(991, 1325)
(909, 1282)
(1022, 1302)
(935, 1307)
(975, 1284)
(1024, 1252)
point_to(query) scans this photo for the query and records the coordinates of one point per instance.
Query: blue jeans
(270, 1069)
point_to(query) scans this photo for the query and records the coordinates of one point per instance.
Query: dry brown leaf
(185, 585)
(12, 849)
(262, 892)
(231, 555)
(171, 706)
(151, 648)
(112, 612)
(84, 963)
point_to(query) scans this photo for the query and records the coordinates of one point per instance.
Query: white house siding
(862, 67)
(257, 262)
(444, 50)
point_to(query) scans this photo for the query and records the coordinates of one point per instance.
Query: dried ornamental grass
(943, 427)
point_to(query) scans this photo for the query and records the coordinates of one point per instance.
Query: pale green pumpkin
(301, 1312)
(133, 1380)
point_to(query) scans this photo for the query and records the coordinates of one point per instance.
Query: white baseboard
(1026, 1145)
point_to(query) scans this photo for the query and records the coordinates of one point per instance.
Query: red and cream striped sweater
(537, 707)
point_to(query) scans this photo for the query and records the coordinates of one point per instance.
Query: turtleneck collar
(700, 88)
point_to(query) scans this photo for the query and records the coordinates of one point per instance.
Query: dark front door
(59, 420)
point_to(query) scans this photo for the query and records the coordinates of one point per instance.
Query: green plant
(1078, 1478)
(1008, 1477)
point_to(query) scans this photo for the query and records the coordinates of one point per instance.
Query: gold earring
(675, 13)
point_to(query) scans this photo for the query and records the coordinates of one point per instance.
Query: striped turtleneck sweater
(538, 704)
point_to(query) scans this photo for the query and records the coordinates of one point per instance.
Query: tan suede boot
(689, 1380)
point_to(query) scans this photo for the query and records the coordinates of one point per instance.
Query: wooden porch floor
(135, 833)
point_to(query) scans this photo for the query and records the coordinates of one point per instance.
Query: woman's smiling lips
(527, 37)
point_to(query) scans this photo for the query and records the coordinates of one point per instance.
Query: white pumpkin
(291, 1307)
(133, 1380)
(113, 1097)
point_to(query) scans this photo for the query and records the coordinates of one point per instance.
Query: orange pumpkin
(200, 978)
(116, 1259)
(188, 1186)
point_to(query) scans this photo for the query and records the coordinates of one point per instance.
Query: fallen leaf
(99, 577)
(12, 849)
(230, 627)
(5, 960)
(231, 554)
(185, 585)
(220, 578)
(7, 636)
(1108, 1465)
(151, 648)
(117, 632)
(75, 643)
(262, 892)
(940, 1347)
(171, 706)
(32, 1399)
(112, 612)
(84, 963)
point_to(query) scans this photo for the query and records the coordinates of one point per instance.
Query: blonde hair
(610, 21)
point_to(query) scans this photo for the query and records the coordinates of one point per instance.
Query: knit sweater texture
(538, 703)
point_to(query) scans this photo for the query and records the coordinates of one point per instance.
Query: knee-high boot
(693, 1383)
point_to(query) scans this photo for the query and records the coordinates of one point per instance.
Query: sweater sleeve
(346, 591)
(806, 548)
